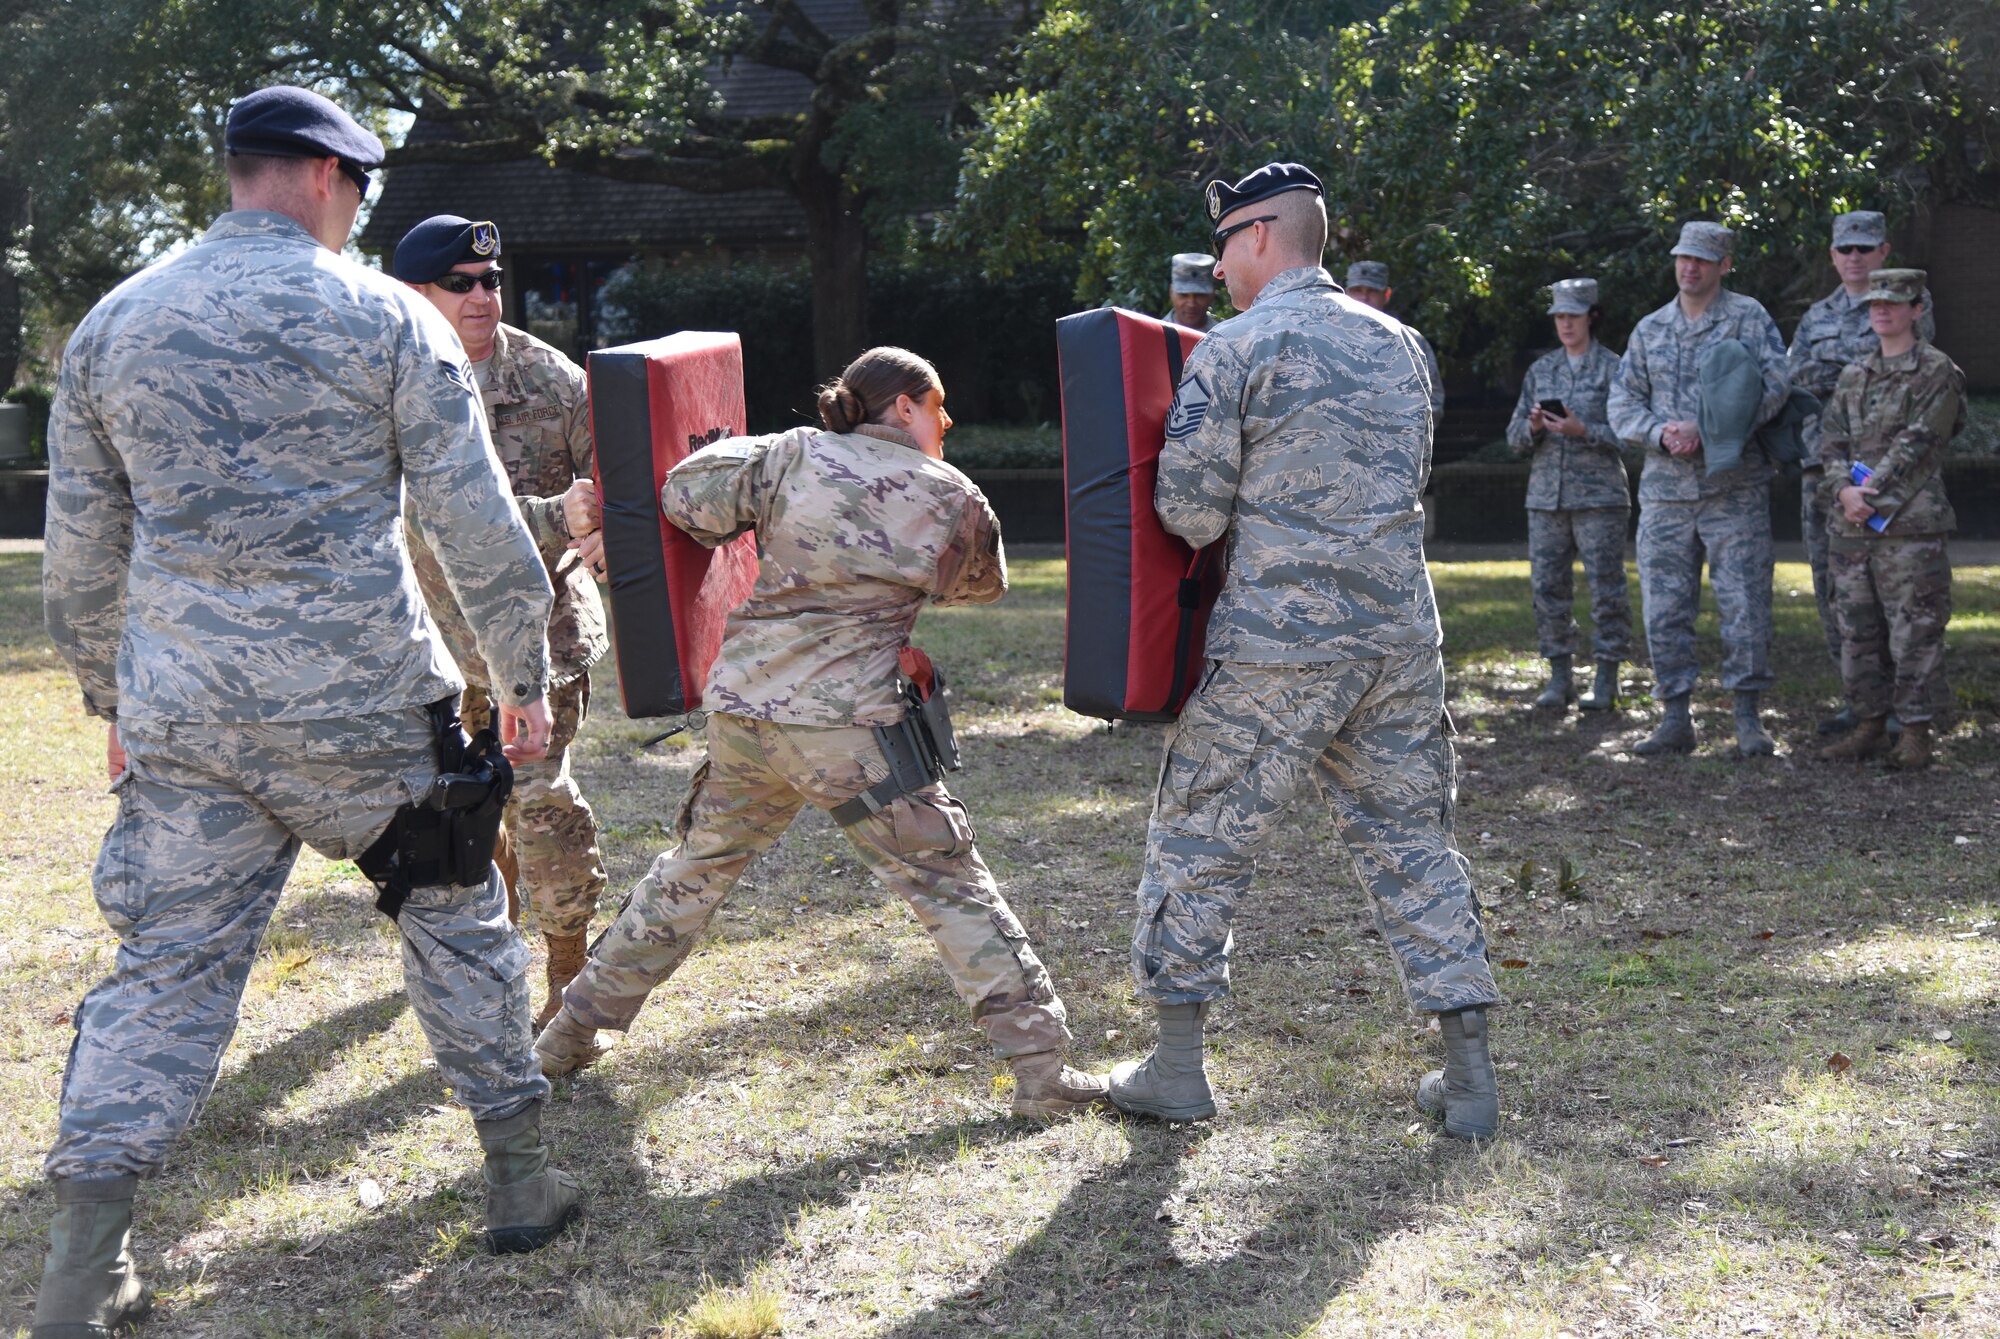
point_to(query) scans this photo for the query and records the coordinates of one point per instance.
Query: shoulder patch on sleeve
(1189, 409)
(456, 373)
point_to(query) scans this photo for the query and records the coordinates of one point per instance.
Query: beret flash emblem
(485, 239)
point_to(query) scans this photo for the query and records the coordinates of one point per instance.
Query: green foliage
(1485, 148)
(38, 399)
(989, 337)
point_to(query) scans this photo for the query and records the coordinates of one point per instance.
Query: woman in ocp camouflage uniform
(859, 524)
(1579, 500)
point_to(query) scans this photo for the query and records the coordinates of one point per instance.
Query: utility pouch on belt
(449, 835)
(919, 749)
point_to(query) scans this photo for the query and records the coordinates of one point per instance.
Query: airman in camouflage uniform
(858, 530)
(538, 410)
(1894, 412)
(1300, 437)
(232, 433)
(1686, 512)
(1579, 500)
(1832, 334)
(1368, 281)
(1192, 291)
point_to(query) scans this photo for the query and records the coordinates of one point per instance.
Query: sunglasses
(458, 281)
(1855, 249)
(362, 181)
(1220, 236)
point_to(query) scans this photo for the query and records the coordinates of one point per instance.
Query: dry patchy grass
(803, 1133)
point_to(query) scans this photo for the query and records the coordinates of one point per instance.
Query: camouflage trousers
(756, 779)
(1893, 598)
(1813, 528)
(1733, 530)
(554, 831)
(1555, 540)
(210, 821)
(1370, 734)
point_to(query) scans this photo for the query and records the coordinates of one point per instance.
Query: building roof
(539, 207)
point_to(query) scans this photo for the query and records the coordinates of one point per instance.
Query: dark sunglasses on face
(362, 181)
(1854, 249)
(1217, 238)
(457, 281)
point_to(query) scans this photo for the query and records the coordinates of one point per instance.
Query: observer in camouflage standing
(1894, 412)
(808, 668)
(1579, 500)
(232, 433)
(1192, 291)
(1368, 281)
(1699, 376)
(1301, 435)
(1833, 333)
(538, 410)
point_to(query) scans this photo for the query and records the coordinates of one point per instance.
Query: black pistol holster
(919, 749)
(448, 836)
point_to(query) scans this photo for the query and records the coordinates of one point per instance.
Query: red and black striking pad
(650, 405)
(1139, 598)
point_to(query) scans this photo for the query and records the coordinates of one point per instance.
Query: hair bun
(840, 409)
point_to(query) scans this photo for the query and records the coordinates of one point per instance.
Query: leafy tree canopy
(1485, 148)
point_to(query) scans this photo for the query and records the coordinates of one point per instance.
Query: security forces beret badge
(485, 239)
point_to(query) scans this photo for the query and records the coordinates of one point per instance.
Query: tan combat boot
(1868, 739)
(568, 1044)
(1913, 751)
(566, 955)
(1045, 1086)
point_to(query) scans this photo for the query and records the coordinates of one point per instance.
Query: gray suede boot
(1559, 692)
(1464, 1091)
(1674, 733)
(1751, 741)
(90, 1288)
(528, 1202)
(1603, 694)
(1169, 1083)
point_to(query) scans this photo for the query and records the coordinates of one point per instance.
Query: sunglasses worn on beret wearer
(1221, 236)
(362, 181)
(458, 281)
(1856, 248)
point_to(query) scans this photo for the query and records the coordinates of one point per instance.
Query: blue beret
(285, 122)
(1267, 181)
(429, 250)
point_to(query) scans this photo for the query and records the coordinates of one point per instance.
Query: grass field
(1750, 1059)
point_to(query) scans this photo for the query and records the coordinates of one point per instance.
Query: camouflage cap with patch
(1368, 274)
(1895, 286)
(1572, 297)
(1194, 272)
(1861, 227)
(1705, 241)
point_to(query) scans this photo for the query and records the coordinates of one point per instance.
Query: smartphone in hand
(1553, 408)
